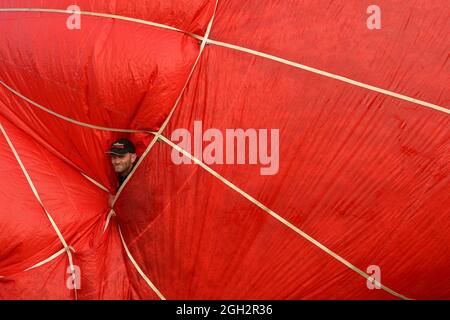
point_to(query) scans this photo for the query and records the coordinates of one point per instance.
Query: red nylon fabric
(365, 174)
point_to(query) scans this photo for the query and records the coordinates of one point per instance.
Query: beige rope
(94, 14)
(163, 126)
(36, 194)
(95, 182)
(282, 220)
(83, 124)
(257, 53)
(143, 275)
(55, 255)
(205, 40)
(332, 76)
(108, 218)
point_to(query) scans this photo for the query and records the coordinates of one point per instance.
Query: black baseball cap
(122, 146)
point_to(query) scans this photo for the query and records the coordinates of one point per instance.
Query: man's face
(122, 164)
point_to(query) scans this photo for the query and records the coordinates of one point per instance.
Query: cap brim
(116, 153)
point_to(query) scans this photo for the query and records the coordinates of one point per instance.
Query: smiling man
(123, 158)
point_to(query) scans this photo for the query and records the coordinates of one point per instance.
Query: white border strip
(30, 182)
(282, 220)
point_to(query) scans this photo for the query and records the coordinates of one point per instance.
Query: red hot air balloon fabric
(287, 149)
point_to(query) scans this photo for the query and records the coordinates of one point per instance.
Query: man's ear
(133, 157)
